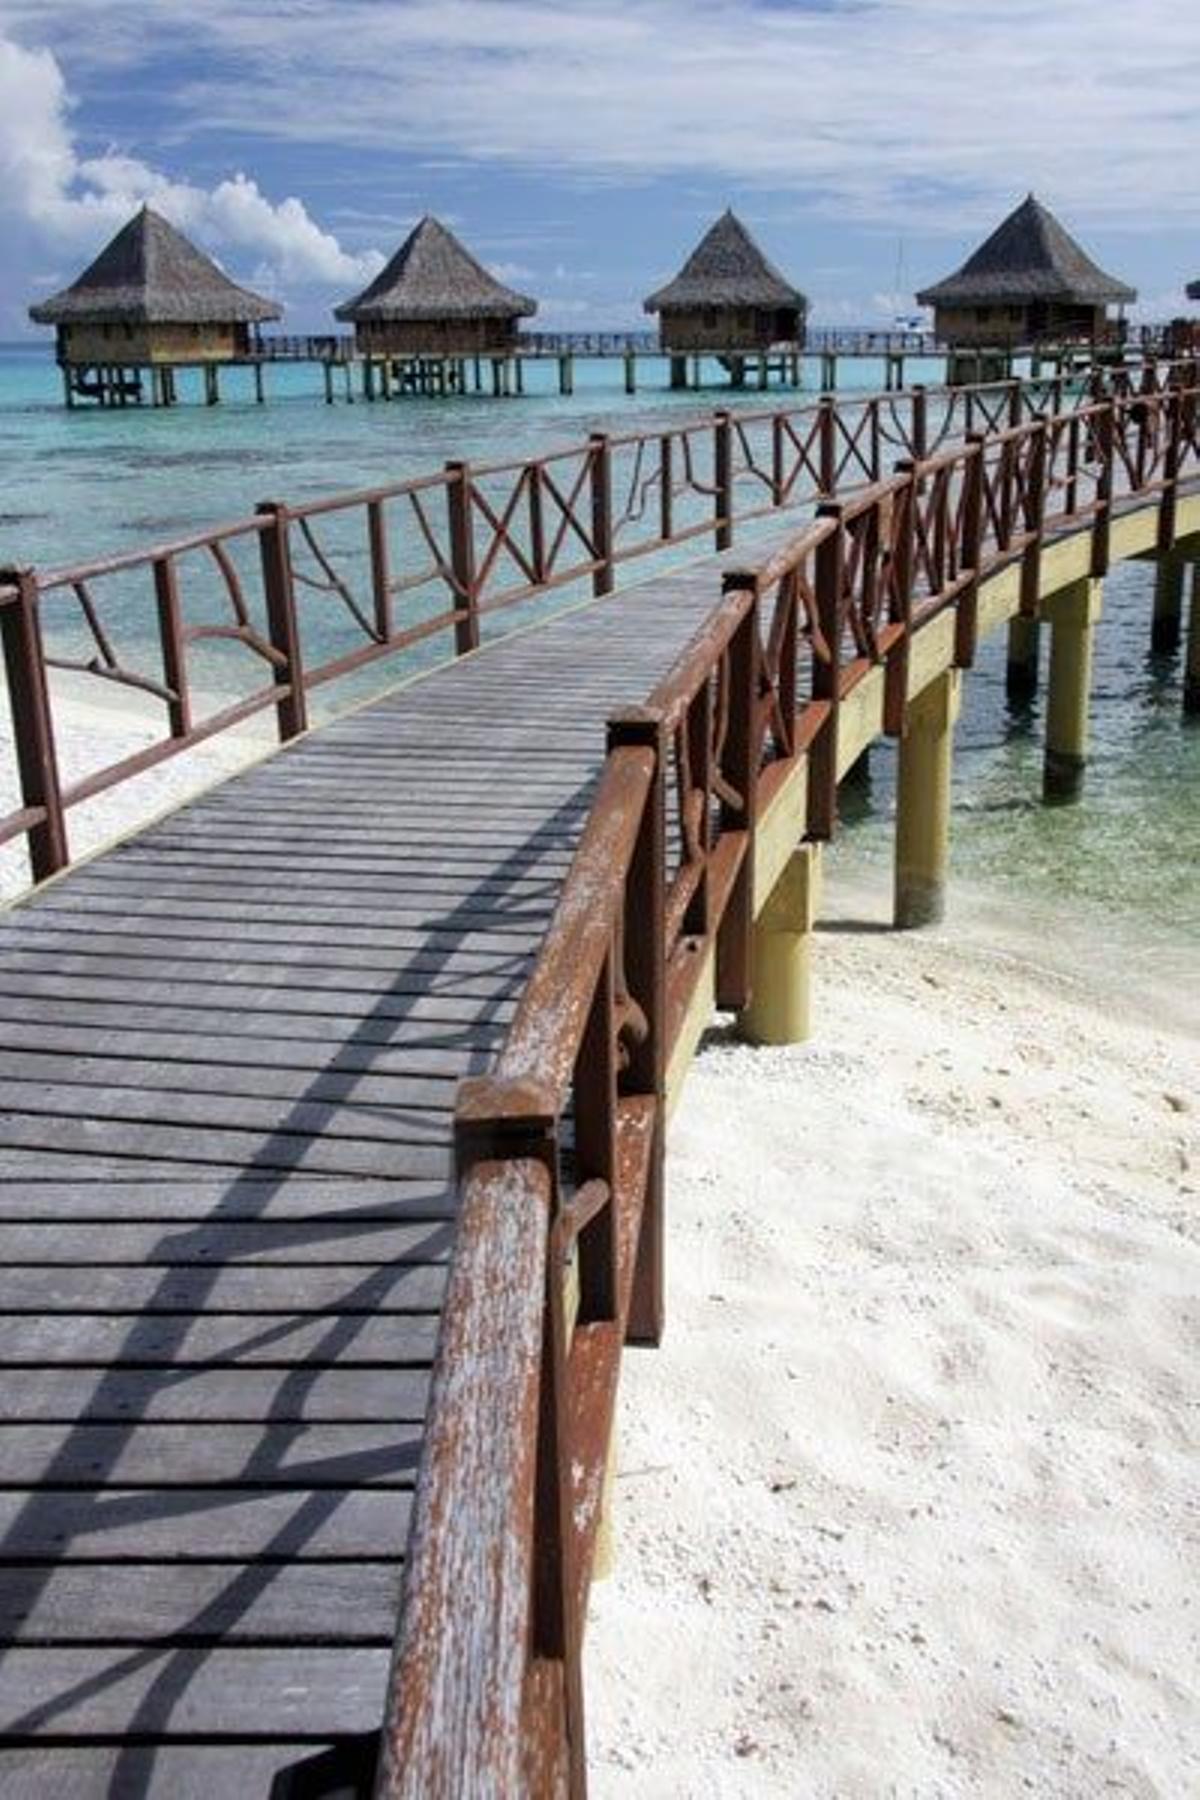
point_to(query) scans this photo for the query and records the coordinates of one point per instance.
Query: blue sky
(580, 148)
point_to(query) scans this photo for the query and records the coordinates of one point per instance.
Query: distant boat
(903, 321)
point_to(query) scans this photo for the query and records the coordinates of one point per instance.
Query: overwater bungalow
(1028, 283)
(434, 301)
(728, 296)
(151, 301)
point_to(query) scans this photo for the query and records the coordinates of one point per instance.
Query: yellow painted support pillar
(923, 803)
(1167, 626)
(1191, 672)
(1072, 613)
(780, 1008)
(1021, 672)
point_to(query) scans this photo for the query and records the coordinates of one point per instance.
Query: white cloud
(921, 113)
(68, 203)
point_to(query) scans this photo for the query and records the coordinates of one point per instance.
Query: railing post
(381, 579)
(740, 760)
(666, 488)
(645, 978)
(537, 532)
(1034, 513)
(600, 454)
(1171, 451)
(827, 676)
(895, 680)
(462, 557)
(283, 628)
(32, 721)
(827, 443)
(966, 616)
(778, 477)
(920, 423)
(174, 649)
(722, 480)
(1103, 425)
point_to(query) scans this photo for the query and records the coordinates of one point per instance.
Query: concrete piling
(923, 803)
(1072, 613)
(780, 1007)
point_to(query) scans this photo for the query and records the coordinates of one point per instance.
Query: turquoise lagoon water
(86, 482)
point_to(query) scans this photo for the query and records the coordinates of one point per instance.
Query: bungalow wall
(729, 327)
(145, 344)
(1022, 323)
(435, 337)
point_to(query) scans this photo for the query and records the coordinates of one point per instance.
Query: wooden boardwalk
(229, 1051)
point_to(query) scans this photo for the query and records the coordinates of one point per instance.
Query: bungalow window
(982, 313)
(107, 329)
(708, 318)
(745, 319)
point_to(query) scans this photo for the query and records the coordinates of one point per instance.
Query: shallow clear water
(88, 482)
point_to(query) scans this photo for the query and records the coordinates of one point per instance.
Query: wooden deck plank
(136, 1141)
(324, 1288)
(269, 1058)
(366, 1088)
(165, 1395)
(137, 1455)
(343, 1033)
(246, 1523)
(209, 1242)
(154, 1772)
(254, 1695)
(195, 1196)
(377, 1123)
(281, 1339)
(200, 1603)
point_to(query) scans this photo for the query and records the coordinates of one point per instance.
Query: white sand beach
(907, 1501)
(96, 723)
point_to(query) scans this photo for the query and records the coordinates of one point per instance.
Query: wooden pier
(347, 372)
(377, 1040)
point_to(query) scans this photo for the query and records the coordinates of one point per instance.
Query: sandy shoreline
(97, 722)
(906, 1502)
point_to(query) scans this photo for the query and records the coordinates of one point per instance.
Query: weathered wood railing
(560, 1149)
(310, 593)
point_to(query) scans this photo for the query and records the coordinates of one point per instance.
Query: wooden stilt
(630, 372)
(259, 383)
(327, 370)
(1191, 672)
(1167, 626)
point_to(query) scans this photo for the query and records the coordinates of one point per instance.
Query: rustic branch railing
(561, 1148)
(383, 570)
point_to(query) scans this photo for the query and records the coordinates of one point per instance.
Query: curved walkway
(229, 1051)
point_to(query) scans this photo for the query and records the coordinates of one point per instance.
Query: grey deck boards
(229, 1050)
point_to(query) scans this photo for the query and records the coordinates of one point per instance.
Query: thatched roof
(433, 276)
(149, 274)
(727, 268)
(1029, 257)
